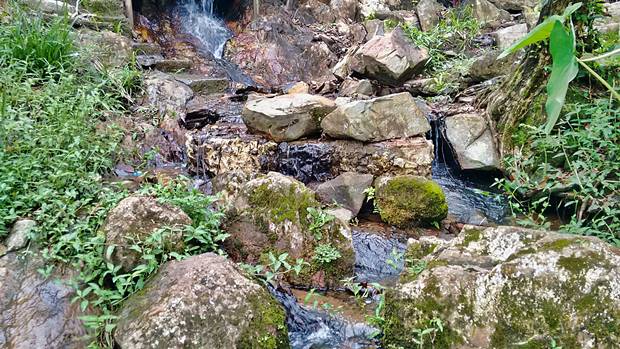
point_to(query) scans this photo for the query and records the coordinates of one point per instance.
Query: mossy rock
(407, 201)
(494, 287)
(107, 8)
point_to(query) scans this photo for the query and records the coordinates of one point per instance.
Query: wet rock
(110, 49)
(306, 162)
(376, 254)
(166, 94)
(472, 141)
(487, 13)
(428, 13)
(37, 312)
(173, 65)
(488, 66)
(287, 117)
(19, 235)
(505, 37)
(407, 201)
(146, 48)
(203, 301)
(493, 287)
(356, 88)
(134, 219)
(346, 190)
(391, 59)
(272, 213)
(203, 84)
(149, 61)
(378, 119)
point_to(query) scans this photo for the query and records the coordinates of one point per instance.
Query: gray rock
(374, 27)
(287, 117)
(428, 13)
(342, 69)
(346, 190)
(505, 37)
(146, 48)
(204, 301)
(378, 119)
(50, 6)
(19, 236)
(493, 287)
(344, 9)
(472, 141)
(134, 219)
(391, 59)
(611, 22)
(173, 65)
(488, 66)
(515, 5)
(150, 60)
(203, 84)
(356, 88)
(487, 13)
(110, 49)
(368, 8)
(166, 94)
(37, 312)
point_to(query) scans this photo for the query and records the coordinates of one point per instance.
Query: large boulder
(472, 142)
(494, 287)
(133, 220)
(19, 235)
(273, 213)
(36, 311)
(204, 301)
(391, 58)
(346, 190)
(407, 201)
(166, 94)
(428, 13)
(378, 119)
(287, 117)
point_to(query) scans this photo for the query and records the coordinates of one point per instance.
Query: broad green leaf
(563, 71)
(539, 33)
(571, 9)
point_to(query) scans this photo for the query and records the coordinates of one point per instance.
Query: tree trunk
(521, 96)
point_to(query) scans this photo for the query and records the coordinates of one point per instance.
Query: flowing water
(199, 20)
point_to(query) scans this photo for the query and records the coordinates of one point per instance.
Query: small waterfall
(200, 21)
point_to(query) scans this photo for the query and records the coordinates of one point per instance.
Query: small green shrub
(326, 253)
(318, 219)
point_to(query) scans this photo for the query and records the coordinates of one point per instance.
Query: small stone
(19, 236)
(173, 65)
(149, 61)
(346, 190)
(488, 66)
(428, 13)
(356, 88)
(203, 84)
(299, 87)
(505, 37)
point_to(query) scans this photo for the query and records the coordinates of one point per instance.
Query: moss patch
(407, 201)
(267, 329)
(289, 203)
(471, 235)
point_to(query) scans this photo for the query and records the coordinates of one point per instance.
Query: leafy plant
(416, 266)
(428, 334)
(565, 63)
(326, 253)
(395, 258)
(318, 219)
(277, 268)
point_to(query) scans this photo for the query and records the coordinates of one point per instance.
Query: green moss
(289, 203)
(419, 250)
(108, 8)
(558, 245)
(576, 265)
(407, 201)
(471, 235)
(267, 328)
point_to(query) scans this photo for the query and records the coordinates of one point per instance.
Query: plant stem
(605, 55)
(600, 79)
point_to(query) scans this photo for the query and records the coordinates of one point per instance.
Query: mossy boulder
(406, 201)
(503, 286)
(271, 213)
(201, 302)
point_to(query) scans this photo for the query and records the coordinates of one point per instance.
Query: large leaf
(539, 33)
(563, 71)
(570, 9)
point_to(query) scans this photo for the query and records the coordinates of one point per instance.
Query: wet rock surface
(496, 286)
(346, 190)
(204, 301)
(472, 141)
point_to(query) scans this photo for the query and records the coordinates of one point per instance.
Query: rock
(287, 117)
(472, 141)
(406, 201)
(488, 66)
(204, 301)
(611, 22)
(299, 87)
(344, 9)
(378, 119)
(374, 27)
(203, 84)
(505, 37)
(272, 214)
(146, 48)
(347, 190)
(391, 59)
(368, 8)
(493, 287)
(410, 18)
(173, 65)
(342, 69)
(110, 49)
(515, 5)
(165, 93)
(37, 312)
(487, 13)
(428, 13)
(356, 88)
(50, 6)
(134, 219)
(149, 61)
(19, 236)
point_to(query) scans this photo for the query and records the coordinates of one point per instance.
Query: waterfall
(199, 20)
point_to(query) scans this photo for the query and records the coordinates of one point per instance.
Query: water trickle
(199, 20)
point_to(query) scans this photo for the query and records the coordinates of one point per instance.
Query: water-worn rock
(347, 190)
(391, 58)
(287, 117)
(487, 13)
(134, 219)
(406, 201)
(378, 119)
(19, 235)
(204, 301)
(203, 84)
(494, 287)
(505, 37)
(165, 93)
(472, 141)
(428, 13)
(37, 312)
(271, 214)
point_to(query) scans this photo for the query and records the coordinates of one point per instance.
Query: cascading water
(199, 20)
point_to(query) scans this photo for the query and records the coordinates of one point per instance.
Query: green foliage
(416, 266)
(318, 219)
(41, 48)
(422, 336)
(326, 253)
(277, 268)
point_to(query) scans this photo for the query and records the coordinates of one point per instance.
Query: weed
(318, 219)
(326, 253)
(278, 267)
